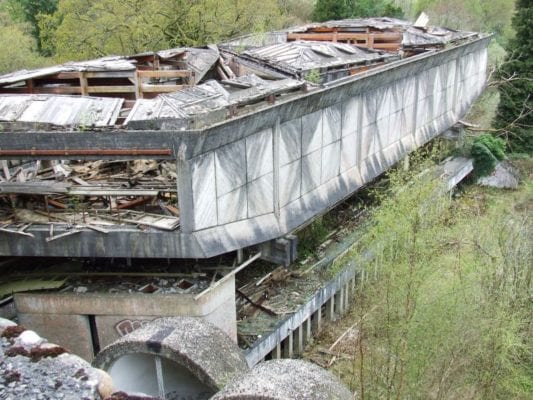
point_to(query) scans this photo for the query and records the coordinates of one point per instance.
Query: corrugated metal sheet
(60, 110)
(307, 55)
(208, 97)
(253, 41)
(181, 104)
(414, 36)
(100, 64)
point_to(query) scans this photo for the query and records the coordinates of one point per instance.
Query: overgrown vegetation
(444, 307)
(515, 111)
(486, 151)
(326, 10)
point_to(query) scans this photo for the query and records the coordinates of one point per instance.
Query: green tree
(326, 10)
(476, 15)
(515, 111)
(79, 30)
(17, 47)
(330, 9)
(30, 11)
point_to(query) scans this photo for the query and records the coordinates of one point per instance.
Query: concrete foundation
(85, 323)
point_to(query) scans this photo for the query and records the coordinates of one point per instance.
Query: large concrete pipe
(173, 358)
(285, 380)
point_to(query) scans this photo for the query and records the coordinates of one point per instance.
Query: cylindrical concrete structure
(172, 358)
(283, 380)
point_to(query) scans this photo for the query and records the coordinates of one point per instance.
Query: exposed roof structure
(301, 56)
(57, 110)
(185, 83)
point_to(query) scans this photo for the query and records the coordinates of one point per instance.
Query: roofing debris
(93, 195)
(180, 88)
(183, 83)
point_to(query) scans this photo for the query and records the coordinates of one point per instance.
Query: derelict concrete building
(257, 152)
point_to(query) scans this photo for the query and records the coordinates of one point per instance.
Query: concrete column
(307, 332)
(316, 323)
(276, 353)
(339, 302)
(347, 297)
(299, 339)
(330, 309)
(288, 346)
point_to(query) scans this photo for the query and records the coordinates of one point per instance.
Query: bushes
(487, 150)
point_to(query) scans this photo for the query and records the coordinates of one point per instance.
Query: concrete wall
(64, 318)
(259, 176)
(294, 169)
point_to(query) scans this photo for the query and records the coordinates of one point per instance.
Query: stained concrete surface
(285, 380)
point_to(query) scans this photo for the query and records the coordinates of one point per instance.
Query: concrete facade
(77, 321)
(258, 177)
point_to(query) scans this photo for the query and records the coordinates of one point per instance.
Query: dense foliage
(80, 30)
(515, 111)
(477, 15)
(326, 10)
(30, 11)
(444, 307)
(486, 151)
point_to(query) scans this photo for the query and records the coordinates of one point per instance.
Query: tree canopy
(87, 29)
(515, 111)
(326, 10)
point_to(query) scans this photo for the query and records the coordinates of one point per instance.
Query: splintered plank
(163, 222)
(165, 74)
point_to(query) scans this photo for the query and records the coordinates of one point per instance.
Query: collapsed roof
(195, 86)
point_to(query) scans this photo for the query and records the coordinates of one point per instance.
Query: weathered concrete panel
(260, 195)
(311, 132)
(69, 331)
(331, 160)
(290, 148)
(311, 171)
(331, 124)
(290, 180)
(233, 206)
(259, 154)
(351, 115)
(348, 152)
(230, 167)
(203, 191)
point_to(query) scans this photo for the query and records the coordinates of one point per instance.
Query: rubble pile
(33, 369)
(92, 193)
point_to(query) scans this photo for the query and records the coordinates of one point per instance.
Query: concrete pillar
(307, 332)
(317, 321)
(288, 346)
(299, 339)
(276, 353)
(330, 309)
(339, 302)
(347, 297)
